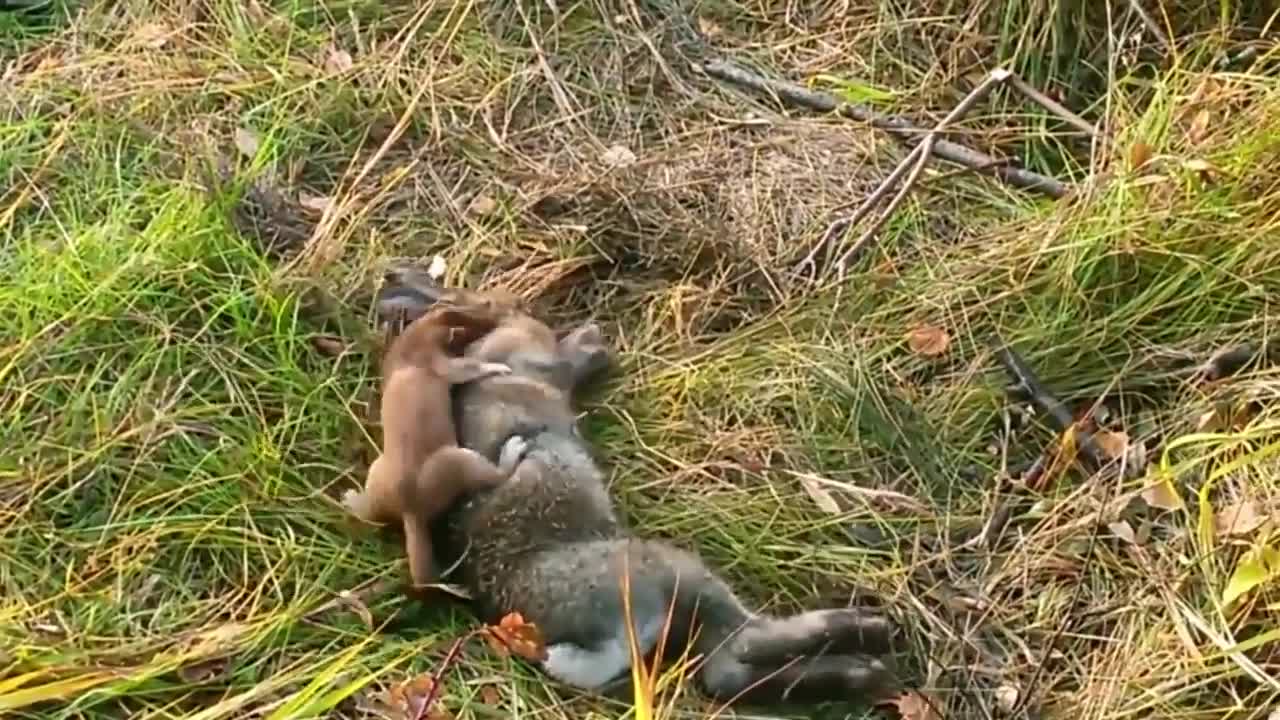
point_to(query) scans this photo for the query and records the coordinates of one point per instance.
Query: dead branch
(1151, 24)
(798, 96)
(1026, 381)
(1052, 106)
(921, 152)
(840, 226)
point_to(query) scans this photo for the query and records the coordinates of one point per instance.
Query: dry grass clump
(175, 432)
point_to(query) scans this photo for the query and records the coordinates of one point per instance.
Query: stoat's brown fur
(422, 471)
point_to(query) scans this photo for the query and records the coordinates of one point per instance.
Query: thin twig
(1151, 25)
(438, 675)
(842, 225)
(1053, 106)
(799, 96)
(361, 594)
(923, 151)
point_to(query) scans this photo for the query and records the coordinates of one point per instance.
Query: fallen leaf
(1239, 518)
(1124, 531)
(1007, 698)
(247, 142)
(1113, 443)
(1199, 128)
(513, 635)
(1254, 568)
(203, 672)
(482, 205)
(618, 156)
(916, 705)
(329, 345)
(819, 495)
(489, 695)
(315, 203)
(1163, 496)
(337, 60)
(438, 267)
(928, 340)
(1139, 155)
(410, 697)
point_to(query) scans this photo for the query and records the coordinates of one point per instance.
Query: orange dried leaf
(1140, 154)
(1055, 461)
(1114, 444)
(513, 635)
(1199, 128)
(916, 705)
(928, 340)
(410, 697)
(329, 345)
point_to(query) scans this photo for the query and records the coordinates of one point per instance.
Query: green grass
(174, 439)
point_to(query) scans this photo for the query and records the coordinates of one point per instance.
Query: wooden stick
(799, 96)
(922, 152)
(1053, 106)
(1027, 381)
(839, 227)
(1151, 25)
